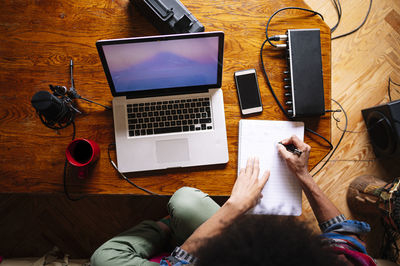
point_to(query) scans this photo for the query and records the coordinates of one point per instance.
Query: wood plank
(393, 18)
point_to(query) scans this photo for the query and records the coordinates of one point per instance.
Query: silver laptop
(168, 105)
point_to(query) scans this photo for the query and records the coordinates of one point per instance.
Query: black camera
(169, 16)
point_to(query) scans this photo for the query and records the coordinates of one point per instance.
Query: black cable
(347, 131)
(107, 107)
(338, 9)
(322, 137)
(126, 178)
(286, 8)
(340, 140)
(350, 131)
(390, 81)
(268, 83)
(352, 160)
(65, 172)
(73, 130)
(63, 119)
(356, 29)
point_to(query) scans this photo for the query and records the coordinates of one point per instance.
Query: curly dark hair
(266, 240)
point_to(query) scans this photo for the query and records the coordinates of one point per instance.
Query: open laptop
(168, 105)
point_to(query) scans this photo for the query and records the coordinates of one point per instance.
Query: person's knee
(189, 208)
(107, 255)
(100, 258)
(186, 200)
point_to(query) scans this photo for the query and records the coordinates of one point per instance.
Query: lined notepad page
(282, 193)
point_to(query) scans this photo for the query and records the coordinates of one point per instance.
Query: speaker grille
(381, 133)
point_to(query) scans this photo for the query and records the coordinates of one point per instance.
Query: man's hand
(323, 208)
(247, 189)
(298, 164)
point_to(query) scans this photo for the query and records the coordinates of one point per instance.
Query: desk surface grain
(38, 38)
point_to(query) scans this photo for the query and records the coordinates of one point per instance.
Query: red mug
(81, 153)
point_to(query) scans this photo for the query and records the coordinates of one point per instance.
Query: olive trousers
(188, 209)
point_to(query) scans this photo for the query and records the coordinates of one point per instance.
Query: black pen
(292, 148)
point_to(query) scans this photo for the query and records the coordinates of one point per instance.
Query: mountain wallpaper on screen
(165, 70)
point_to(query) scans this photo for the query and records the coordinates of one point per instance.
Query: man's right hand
(297, 163)
(323, 208)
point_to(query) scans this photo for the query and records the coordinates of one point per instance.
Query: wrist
(303, 175)
(235, 207)
(306, 181)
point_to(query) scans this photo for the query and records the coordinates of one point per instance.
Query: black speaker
(383, 125)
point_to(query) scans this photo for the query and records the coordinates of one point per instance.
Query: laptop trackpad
(174, 150)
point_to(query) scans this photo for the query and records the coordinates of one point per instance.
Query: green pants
(188, 208)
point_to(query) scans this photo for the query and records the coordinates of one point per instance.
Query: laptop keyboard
(162, 117)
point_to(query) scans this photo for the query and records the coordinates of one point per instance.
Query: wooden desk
(38, 38)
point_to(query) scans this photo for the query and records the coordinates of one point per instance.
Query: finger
(249, 166)
(265, 177)
(256, 168)
(283, 152)
(285, 141)
(259, 199)
(242, 171)
(298, 143)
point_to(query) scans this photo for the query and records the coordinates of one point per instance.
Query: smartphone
(248, 91)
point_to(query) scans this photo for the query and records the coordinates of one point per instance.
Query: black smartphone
(248, 91)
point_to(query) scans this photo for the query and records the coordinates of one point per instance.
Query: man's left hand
(247, 189)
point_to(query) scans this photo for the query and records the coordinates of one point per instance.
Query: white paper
(282, 193)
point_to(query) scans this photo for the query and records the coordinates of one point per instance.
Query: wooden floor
(361, 65)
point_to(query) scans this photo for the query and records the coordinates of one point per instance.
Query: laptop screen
(162, 62)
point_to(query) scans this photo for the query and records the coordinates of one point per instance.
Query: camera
(169, 16)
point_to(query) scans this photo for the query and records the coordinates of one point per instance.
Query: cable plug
(281, 45)
(282, 37)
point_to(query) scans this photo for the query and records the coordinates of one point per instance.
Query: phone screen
(247, 87)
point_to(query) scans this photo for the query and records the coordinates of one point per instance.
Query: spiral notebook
(282, 194)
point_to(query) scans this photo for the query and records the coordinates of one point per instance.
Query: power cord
(278, 37)
(340, 140)
(65, 172)
(339, 11)
(338, 8)
(390, 81)
(126, 178)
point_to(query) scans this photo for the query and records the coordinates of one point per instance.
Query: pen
(292, 148)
